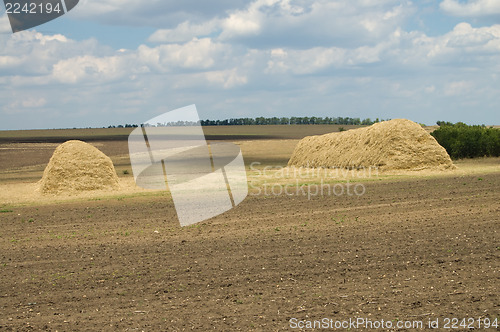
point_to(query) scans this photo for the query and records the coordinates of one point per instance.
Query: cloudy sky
(126, 61)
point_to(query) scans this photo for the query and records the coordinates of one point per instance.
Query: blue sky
(121, 61)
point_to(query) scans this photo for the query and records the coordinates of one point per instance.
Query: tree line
(313, 120)
(464, 141)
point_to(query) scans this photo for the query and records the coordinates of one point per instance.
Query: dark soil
(415, 249)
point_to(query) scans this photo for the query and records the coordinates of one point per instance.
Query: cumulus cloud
(4, 24)
(198, 54)
(69, 61)
(89, 68)
(305, 61)
(227, 78)
(464, 45)
(26, 105)
(267, 23)
(458, 88)
(30, 102)
(353, 58)
(33, 53)
(246, 22)
(471, 8)
(185, 31)
(464, 35)
(9, 61)
(163, 14)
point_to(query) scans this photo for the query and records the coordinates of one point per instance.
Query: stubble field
(412, 247)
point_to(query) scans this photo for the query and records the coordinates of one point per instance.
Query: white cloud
(62, 58)
(464, 35)
(24, 105)
(4, 24)
(34, 102)
(466, 44)
(106, 7)
(237, 23)
(8, 61)
(246, 22)
(162, 14)
(471, 7)
(89, 68)
(227, 78)
(458, 88)
(305, 61)
(321, 23)
(150, 57)
(272, 57)
(263, 23)
(195, 54)
(430, 89)
(185, 31)
(30, 102)
(33, 53)
(318, 59)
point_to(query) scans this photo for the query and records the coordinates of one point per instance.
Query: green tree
(464, 141)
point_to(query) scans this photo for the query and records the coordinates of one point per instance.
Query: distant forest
(264, 121)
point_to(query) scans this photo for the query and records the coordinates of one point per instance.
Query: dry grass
(78, 166)
(398, 144)
(24, 164)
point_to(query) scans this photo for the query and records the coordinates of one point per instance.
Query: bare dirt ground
(412, 247)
